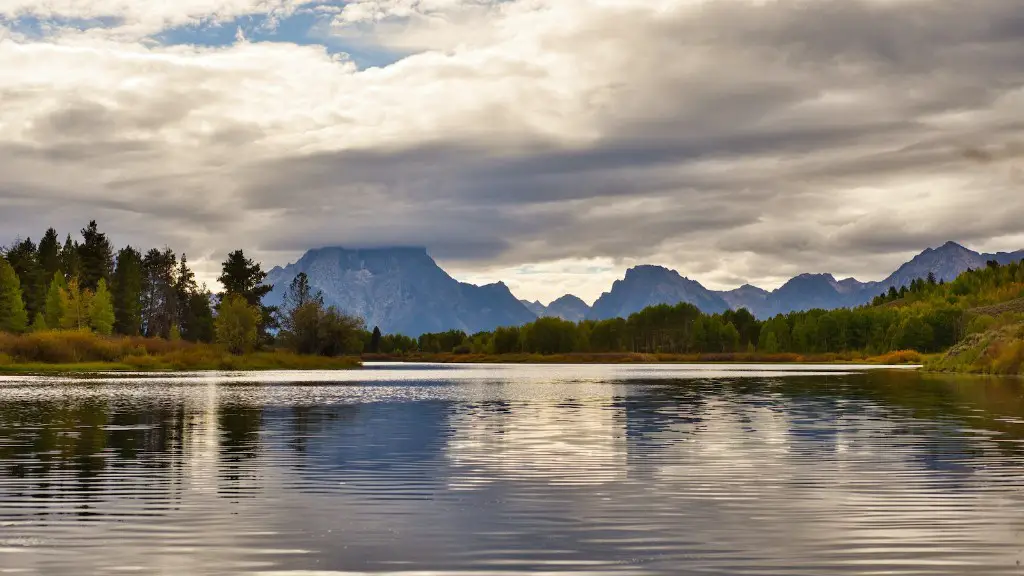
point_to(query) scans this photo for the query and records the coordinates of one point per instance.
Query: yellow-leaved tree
(237, 324)
(101, 310)
(75, 304)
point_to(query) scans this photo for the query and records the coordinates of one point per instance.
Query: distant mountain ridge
(403, 290)
(648, 285)
(808, 291)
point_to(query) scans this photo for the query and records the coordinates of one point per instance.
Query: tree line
(926, 316)
(84, 284)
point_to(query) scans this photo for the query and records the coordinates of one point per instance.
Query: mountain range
(403, 290)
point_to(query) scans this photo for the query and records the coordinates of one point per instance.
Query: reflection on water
(591, 470)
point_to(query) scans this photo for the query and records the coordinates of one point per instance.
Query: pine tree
(96, 257)
(38, 323)
(127, 289)
(375, 340)
(22, 257)
(159, 295)
(101, 312)
(242, 277)
(76, 307)
(69, 262)
(54, 307)
(200, 317)
(13, 317)
(48, 254)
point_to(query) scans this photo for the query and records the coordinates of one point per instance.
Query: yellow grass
(74, 351)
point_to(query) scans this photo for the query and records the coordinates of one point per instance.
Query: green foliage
(54, 307)
(199, 318)
(69, 261)
(927, 316)
(101, 310)
(127, 288)
(23, 258)
(442, 341)
(549, 336)
(240, 276)
(95, 257)
(243, 277)
(48, 255)
(312, 328)
(38, 323)
(13, 317)
(375, 340)
(237, 324)
(159, 295)
(75, 304)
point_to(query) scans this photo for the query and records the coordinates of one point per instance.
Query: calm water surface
(514, 469)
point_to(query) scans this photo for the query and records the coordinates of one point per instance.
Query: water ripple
(513, 469)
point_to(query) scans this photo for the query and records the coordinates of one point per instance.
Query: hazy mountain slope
(401, 290)
(536, 307)
(754, 299)
(648, 285)
(569, 308)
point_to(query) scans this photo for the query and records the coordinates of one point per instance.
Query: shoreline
(896, 358)
(262, 362)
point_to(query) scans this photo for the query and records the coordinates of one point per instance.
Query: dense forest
(85, 285)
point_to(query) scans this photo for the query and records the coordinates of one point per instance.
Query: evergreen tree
(184, 288)
(54, 307)
(22, 257)
(96, 257)
(159, 296)
(48, 254)
(243, 277)
(75, 303)
(101, 311)
(375, 340)
(200, 327)
(127, 288)
(69, 263)
(38, 323)
(13, 317)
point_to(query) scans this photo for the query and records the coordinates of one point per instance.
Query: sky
(550, 144)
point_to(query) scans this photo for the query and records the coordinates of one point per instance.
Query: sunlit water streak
(431, 469)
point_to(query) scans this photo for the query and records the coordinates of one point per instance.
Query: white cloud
(731, 140)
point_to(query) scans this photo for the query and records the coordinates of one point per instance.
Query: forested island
(79, 305)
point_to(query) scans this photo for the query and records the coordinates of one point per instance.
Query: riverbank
(892, 358)
(80, 352)
(999, 350)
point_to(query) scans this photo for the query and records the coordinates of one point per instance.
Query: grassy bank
(997, 349)
(900, 357)
(64, 351)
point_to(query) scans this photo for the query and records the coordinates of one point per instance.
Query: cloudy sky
(546, 143)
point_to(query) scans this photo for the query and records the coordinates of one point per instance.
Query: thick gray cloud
(733, 140)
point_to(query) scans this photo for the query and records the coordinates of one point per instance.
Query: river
(431, 469)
